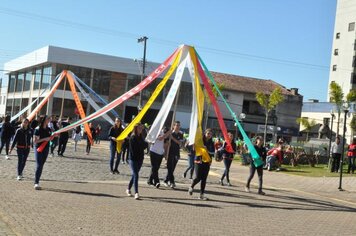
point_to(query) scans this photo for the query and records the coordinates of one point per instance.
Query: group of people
(39, 135)
(336, 152)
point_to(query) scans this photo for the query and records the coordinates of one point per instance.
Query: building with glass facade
(111, 76)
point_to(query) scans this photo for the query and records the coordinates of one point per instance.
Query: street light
(140, 40)
(331, 135)
(345, 108)
(242, 116)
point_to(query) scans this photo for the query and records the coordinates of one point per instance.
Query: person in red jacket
(351, 155)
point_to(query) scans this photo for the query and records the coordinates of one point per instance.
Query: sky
(286, 41)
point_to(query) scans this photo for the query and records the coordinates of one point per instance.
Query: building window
(334, 67)
(46, 79)
(353, 78)
(337, 35)
(226, 96)
(336, 52)
(38, 76)
(101, 82)
(12, 83)
(352, 26)
(28, 78)
(354, 62)
(252, 108)
(19, 84)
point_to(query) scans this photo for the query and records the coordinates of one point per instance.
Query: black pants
(62, 145)
(171, 166)
(5, 142)
(351, 166)
(88, 146)
(156, 161)
(227, 164)
(54, 144)
(125, 152)
(201, 174)
(335, 162)
(253, 169)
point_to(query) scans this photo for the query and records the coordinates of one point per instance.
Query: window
(334, 67)
(354, 62)
(19, 84)
(12, 83)
(38, 75)
(226, 96)
(337, 35)
(353, 78)
(46, 79)
(28, 78)
(101, 82)
(336, 52)
(352, 26)
(252, 108)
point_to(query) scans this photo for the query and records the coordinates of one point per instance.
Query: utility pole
(140, 40)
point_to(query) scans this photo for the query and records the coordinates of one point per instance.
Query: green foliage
(221, 87)
(336, 94)
(268, 102)
(306, 123)
(351, 96)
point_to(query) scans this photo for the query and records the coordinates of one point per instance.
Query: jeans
(6, 143)
(156, 161)
(22, 154)
(335, 165)
(62, 145)
(135, 166)
(253, 169)
(113, 153)
(171, 166)
(125, 152)
(201, 174)
(190, 166)
(351, 166)
(41, 158)
(227, 164)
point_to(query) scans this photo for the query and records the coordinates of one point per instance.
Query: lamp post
(242, 116)
(140, 40)
(331, 135)
(345, 107)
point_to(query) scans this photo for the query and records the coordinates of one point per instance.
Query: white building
(343, 62)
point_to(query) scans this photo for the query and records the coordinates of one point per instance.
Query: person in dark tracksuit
(22, 141)
(63, 138)
(228, 156)
(262, 153)
(202, 165)
(7, 131)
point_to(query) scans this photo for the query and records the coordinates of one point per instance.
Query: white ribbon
(167, 104)
(90, 100)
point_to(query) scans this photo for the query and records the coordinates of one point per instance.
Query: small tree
(268, 102)
(307, 124)
(336, 96)
(221, 87)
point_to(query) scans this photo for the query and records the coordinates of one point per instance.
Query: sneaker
(37, 187)
(111, 172)
(116, 172)
(228, 184)
(137, 196)
(190, 191)
(247, 189)
(202, 197)
(128, 192)
(149, 183)
(7, 157)
(19, 178)
(166, 183)
(157, 185)
(173, 185)
(260, 192)
(184, 175)
(269, 167)
(52, 155)
(221, 182)
(123, 162)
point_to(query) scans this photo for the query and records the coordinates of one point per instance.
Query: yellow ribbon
(199, 144)
(156, 92)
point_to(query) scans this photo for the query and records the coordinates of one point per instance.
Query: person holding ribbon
(22, 138)
(228, 156)
(202, 165)
(262, 153)
(114, 132)
(137, 146)
(41, 134)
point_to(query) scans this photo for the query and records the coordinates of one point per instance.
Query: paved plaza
(81, 197)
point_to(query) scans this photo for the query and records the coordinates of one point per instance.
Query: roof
(248, 84)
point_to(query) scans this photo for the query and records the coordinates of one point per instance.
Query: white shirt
(158, 146)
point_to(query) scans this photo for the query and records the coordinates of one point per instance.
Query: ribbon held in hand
(44, 144)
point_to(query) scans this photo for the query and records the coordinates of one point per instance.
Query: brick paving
(81, 197)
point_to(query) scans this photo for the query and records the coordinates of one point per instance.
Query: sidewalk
(316, 186)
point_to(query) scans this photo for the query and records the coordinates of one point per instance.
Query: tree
(336, 96)
(307, 124)
(269, 102)
(221, 87)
